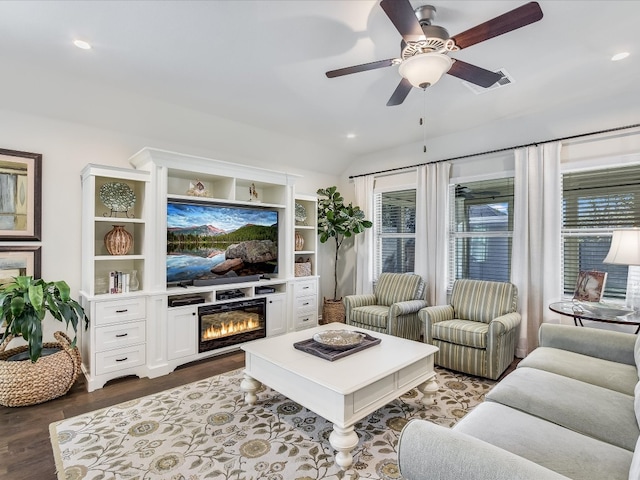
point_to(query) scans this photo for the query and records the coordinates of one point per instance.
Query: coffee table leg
(344, 440)
(429, 390)
(250, 386)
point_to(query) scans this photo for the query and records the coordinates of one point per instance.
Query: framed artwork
(19, 260)
(20, 195)
(590, 286)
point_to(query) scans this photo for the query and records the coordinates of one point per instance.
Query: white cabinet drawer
(308, 287)
(119, 335)
(307, 320)
(120, 310)
(306, 304)
(120, 359)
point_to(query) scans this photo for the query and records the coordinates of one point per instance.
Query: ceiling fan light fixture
(425, 69)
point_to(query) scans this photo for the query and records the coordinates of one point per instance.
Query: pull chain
(423, 120)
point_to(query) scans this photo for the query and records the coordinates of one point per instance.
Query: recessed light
(351, 135)
(82, 44)
(619, 56)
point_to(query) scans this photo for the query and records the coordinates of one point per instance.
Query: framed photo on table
(590, 286)
(20, 195)
(19, 261)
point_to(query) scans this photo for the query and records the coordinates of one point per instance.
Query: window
(594, 204)
(395, 231)
(481, 229)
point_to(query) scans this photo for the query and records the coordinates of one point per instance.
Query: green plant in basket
(338, 221)
(24, 303)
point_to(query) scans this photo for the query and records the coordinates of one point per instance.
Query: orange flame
(232, 327)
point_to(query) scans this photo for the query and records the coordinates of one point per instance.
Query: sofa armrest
(430, 315)
(594, 342)
(504, 323)
(409, 306)
(427, 450)
(353, 301)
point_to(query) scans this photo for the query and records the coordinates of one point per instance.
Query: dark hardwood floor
(25, 448)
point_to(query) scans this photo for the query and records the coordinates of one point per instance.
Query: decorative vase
(134, 284)
(118, 241)
(299, 242)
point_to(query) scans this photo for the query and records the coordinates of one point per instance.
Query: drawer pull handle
(305, 303)
(306, 288)
(122, 311)
(119, 335)
(121, 359)
(305, 319)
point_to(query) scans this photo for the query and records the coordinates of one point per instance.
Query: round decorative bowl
(339, 339)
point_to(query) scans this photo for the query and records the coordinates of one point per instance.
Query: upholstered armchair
(477, 332)
(392, 308)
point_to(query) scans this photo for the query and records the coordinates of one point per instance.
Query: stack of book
(119, 282)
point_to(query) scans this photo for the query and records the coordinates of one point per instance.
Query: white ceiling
(263, 62)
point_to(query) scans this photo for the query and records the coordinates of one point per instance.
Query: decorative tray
(330, 353)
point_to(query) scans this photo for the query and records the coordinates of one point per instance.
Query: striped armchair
(392, 308)
(477, 332)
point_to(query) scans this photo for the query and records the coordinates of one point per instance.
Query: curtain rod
(498, 150)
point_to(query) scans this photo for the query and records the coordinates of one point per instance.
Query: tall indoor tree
(338, 221)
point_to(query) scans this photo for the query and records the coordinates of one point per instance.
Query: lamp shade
(425, 69)
(625, 247)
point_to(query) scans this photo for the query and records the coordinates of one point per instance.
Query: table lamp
(625, 250)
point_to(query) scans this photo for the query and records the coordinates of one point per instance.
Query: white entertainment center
(151, 330)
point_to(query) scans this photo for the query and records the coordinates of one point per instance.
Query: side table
(579, 313)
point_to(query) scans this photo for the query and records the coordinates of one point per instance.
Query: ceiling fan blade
(402, 15)
(400, 93)
(360, 68)
(473, 74)
(519, 17)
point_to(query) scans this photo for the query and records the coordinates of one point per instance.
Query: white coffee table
(343, 391)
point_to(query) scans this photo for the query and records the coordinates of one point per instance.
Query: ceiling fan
(425, 47)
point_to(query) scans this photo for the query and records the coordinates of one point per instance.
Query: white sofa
(570, 410)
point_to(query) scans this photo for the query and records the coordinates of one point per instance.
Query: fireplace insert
(226, 324)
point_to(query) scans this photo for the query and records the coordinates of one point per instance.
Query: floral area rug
(205, 430)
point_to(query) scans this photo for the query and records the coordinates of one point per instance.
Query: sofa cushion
(559, 449)
(481, 300)
(634, 471)
(589, 409)
(393, 287)
(373, 315)
(604, 373)
(461, 332)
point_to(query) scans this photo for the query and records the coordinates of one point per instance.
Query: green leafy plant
(338, 221)
(24, 303)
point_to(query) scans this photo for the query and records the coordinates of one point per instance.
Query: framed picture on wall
(18, 261)
(20, 195)
(590, 286)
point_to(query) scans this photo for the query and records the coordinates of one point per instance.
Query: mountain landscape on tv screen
(225, 248)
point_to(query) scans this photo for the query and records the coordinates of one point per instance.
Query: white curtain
(432, 200)
(364, 241)
(536, 258)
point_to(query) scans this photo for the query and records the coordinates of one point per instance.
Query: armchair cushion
(462, 332)
(483, 301)
(393, 287)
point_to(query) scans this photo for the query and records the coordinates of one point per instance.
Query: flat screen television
(207, 242)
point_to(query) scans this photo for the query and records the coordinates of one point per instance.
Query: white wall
(68, 147)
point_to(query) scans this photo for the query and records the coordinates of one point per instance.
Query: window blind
(395, 231)
(481, 229)
(594, 204)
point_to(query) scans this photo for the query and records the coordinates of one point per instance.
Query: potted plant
(337, 221)
(47, 368)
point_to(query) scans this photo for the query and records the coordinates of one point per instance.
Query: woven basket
(302, 269)
(25, 383)
(332, 311)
